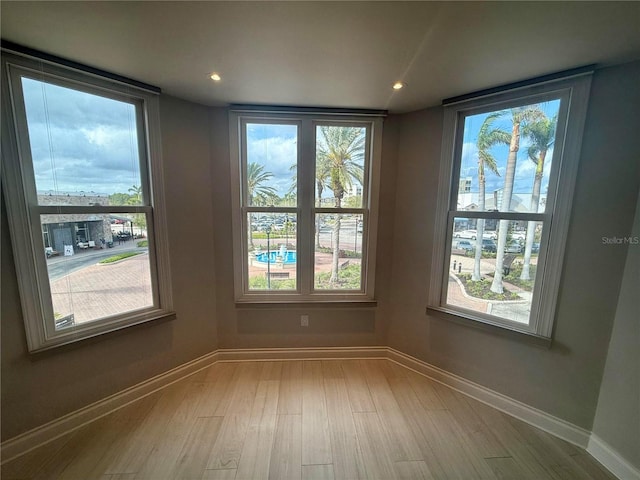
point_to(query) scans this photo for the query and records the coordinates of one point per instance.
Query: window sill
(481, 324)
(306, 303)
(90, 336)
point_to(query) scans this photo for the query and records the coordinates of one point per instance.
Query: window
(83, 182)
(509, 162)
(305, 203)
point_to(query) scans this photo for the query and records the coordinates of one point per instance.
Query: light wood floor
(331, 419)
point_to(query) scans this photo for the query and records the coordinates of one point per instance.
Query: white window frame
(23, 211)
(306, 208)
(573, 90)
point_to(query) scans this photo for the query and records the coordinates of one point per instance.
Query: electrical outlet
(304, 320)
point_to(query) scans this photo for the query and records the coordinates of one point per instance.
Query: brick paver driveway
(102, 290)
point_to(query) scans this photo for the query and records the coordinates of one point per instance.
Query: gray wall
(37, 389)
(565, 379)
(617, 419)
(280, 327)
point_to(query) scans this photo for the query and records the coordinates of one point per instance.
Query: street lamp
(268, 232)
(286, 231)
(355, 237)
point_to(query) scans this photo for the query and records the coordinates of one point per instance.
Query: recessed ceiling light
(398, 85)
(215, 77)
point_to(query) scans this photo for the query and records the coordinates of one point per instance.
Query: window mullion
(512, 216)
(306, 177)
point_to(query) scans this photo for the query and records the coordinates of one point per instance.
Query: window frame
(23, 209)
(306, 209)
(573, 92)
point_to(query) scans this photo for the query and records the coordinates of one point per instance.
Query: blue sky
(79, 141)
(84, 142)
(275, 147)
(525, 168)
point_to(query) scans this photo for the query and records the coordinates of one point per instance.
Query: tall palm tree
(323, 172)
(542, 135)
(257, 192)
(341, 151)
(520, 116)
(487, 138)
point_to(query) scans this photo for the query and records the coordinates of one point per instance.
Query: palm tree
(341, 151)
(487, 138)
(135, 198)
(542, 135)
(520, 117)
(322, 181)
(257, 192)
(136, 195)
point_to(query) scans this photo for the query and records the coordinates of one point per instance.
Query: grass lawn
(120, 256)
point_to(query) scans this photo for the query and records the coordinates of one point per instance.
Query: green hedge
(348, 279)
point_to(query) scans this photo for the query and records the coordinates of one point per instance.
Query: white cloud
(277, 154)
(80, 141)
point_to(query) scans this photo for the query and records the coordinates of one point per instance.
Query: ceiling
(328, 54)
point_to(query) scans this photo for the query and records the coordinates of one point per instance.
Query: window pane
(338, 252)
(272, 251)
(272, 164)
(82, 145)
(492, 178)
(97, 268)
(474, 261)
(340, 161)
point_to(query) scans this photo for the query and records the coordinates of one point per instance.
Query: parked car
(463, 245)
(472, 234)
(520, 235)
(489, 245)
(535, 248)
(513, 247)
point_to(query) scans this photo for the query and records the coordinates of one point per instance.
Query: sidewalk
(515, 310)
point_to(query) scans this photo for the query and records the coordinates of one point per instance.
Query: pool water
(288, 257)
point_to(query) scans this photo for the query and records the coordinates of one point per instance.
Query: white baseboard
(48, 432)
(542, 420)
(610, 459)
(32, 439)
(311, 353)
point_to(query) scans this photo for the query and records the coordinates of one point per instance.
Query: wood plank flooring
(325, 420)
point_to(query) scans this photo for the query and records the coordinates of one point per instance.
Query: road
(350, 237)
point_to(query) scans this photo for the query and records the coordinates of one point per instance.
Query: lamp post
(355, 237)
(286, 231)
(268, 232)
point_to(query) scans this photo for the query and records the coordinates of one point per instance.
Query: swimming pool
(287, 257)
